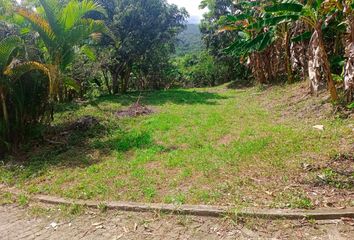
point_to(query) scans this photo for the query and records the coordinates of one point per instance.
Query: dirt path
(18, 223)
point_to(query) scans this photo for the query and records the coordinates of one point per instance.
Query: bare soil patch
(298, 102)
(226, 140)
(84, 123)
(135, 110)
(301, 104)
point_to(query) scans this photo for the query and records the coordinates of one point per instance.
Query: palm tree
(62, 28)
(8, 46)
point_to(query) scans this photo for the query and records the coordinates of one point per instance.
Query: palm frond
(20, 69)
(236, 18)
(75, 11)
(302, 37)
(49, 70)
(52, 11)
(68, 55)
(248, 45)
(89, 52)
(39, 24)
(71, 84)
(84, 28)
(268, 39)
(7, 47)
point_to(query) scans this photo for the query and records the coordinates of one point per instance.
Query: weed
(102, 207)
(75, 209)
(6, 198)
(149, 192)
(22, 200)
(302, 202)
(175, 199)
(39, 211)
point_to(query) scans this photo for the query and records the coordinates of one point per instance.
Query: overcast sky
(192, 7)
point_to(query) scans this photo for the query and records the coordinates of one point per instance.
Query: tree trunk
(115, 84)
(314, 64)
(5, 113)
(55, 82)
(349, 64)
(298, 56)
(106, 81)
(287, 56)
(330, 82)
(125, 79)
(257, 69)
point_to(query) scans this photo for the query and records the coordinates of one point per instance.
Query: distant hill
(190, 40)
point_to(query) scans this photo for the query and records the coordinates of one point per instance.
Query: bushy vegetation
(200, 69)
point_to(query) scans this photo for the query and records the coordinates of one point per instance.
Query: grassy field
(221, 146)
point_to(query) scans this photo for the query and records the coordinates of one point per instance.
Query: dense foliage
(146, 31)
(201, 69)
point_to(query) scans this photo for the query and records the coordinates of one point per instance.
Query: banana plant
(347, 8)
(258, 37)
(314, 15)
(246, 45)
(61, 30)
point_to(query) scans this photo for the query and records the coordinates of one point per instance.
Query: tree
(142, 27)
(200, 69)
(61, 29)
(11, 69)
(209, 25)
(215, 41)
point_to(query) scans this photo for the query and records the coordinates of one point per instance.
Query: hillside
(190, 40)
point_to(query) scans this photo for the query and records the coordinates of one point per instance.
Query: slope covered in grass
(246, 147)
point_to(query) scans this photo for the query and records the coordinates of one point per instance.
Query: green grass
(209, 146)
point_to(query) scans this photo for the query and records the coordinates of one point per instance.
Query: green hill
(190, 40)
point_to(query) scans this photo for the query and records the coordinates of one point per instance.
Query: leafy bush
(200, 69)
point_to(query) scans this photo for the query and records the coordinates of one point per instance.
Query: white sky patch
(192, 7)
